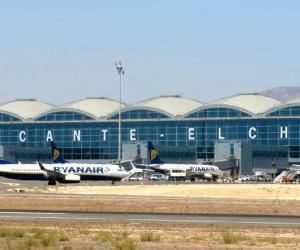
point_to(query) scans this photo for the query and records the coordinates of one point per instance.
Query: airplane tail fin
(154, 156)
(56, 154)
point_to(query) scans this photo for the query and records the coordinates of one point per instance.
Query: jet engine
(207, 176)
(70, 178)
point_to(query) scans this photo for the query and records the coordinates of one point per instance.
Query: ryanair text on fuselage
(202, 168)
(81, 170)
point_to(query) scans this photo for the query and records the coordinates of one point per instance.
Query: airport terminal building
(265, 130)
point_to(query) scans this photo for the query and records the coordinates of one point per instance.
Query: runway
(279, 221)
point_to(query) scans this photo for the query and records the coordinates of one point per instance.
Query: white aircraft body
(206, 171)
(68, 172)
(64, 171)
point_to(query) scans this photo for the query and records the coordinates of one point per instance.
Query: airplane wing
(54, 175)
(140, 165)
(51, 173)
(155, 167)
(148, 165)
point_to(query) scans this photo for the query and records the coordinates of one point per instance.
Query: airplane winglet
(41, 166)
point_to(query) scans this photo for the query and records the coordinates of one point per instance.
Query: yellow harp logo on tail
(56, 154)
(153, 154)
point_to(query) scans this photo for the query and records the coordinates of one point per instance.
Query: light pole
(121, 72)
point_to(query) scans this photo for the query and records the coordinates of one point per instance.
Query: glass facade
(181, 138)
(64, 116)
(140, 114)
(289, 111)
(8, 118)
(217, 112)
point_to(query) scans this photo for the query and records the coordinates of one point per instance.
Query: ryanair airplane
(67, 172)
(197, 170)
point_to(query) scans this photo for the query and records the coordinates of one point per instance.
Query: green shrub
(29, 242)
(19, 233)
(67, 248)
(104, 237)
(9, 245)
(117, 241)
(197, 238)
(63, 237)
(124, 244)
(230, 238)
(268, 239)
(44, 238)
(48, 240)
(150, 237)
(37, 233)
(5, 232)
(84, 231)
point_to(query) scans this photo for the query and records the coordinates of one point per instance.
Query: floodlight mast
(121, 72)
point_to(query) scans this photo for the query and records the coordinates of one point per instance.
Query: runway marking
(9, 215)
(162, 220)
(31, 213)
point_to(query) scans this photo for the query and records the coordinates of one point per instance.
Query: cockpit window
(126, 165)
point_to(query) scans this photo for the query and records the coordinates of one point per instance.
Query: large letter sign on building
(76, 135)
(132, 134)
(220, 137)
(22, 136)
(283, 132)
(191, 133)
(252, 133)
(104, 132)
(49, 136)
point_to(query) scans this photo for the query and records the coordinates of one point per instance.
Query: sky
(63, 50)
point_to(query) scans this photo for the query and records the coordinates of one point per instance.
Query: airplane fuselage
(84, 170)
(196, 168)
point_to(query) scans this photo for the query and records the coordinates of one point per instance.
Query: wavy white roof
(172, 105)
(290, 103)
(26, 108)
(293, 101)
(101, 108)
(251, 103)
(98, 107)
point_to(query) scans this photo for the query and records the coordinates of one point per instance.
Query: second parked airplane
(198, 170)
